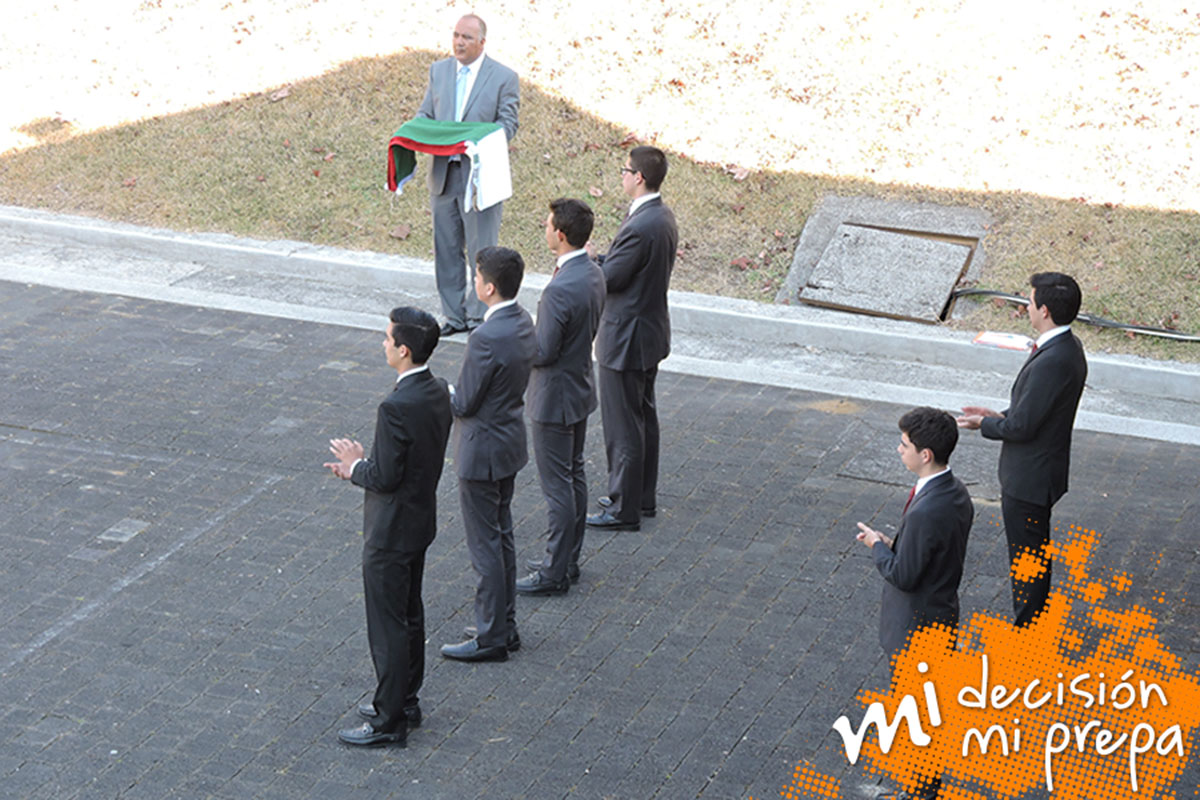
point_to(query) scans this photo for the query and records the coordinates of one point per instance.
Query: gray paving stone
(701, 656)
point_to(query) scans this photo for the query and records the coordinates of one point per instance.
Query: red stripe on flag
(432, 149)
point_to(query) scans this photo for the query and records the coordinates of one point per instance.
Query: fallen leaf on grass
(129, 183)
(275, 97)
(738, 208)
(401, 231)
(591, 146)
(287, 142)
(330, 157)
(741, 263)
(316, 173)
(629, 140)
(738, 173)
(595, 191)
(261, 178)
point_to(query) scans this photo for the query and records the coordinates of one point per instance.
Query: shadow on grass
(311, 166)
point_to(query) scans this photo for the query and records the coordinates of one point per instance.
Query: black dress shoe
(448, 329)
(536, 564)
(470, 650)
(607, 520)
(604, 501)
(365, 735)
(534, 583)
(366, 710)
(514, 638)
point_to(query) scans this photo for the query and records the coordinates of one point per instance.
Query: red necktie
(908, 502)
(1034, 350)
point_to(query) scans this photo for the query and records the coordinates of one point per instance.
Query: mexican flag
(483, 145)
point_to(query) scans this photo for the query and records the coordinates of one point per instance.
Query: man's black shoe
(366, 710)
(514, 638)
(471, 651)
(604, 501)
(534, 583)
(607, 520)
(365, 735)
(449, 329)
(572, 569)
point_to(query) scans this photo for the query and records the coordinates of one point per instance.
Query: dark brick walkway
(180, 596)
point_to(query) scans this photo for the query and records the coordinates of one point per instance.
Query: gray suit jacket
(562, 388)
(635, 330)
(924, 566)
(402, 473)
(489, 398)
(495, 97)
(1036, 428)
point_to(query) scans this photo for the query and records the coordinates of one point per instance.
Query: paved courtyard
(181, 602)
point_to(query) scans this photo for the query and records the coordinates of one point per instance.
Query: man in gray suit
(634, 335)
(1036, 432)
(562, 392)
(489, 402)
(922, 566)
(470, 87)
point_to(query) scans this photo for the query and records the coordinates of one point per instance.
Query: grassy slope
(250, 167)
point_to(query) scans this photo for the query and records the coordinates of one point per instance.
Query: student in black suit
(1036, 431)
(634, 335)
(562, 392)
(400, 480)
(489, 401)
(923, 565)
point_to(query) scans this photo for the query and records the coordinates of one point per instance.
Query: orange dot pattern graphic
(808, 782)
(1086, 702)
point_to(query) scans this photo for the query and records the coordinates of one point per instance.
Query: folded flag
(483, 145)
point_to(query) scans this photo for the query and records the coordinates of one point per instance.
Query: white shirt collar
(413, 371)
(922, 481)
(638, 202)
(565, 257)
(473, 66)
(493, 309)
(1050, 334)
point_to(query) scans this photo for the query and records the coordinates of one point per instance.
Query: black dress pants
(1027, 528)
(395, 631)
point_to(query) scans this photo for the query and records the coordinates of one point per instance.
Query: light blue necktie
(460, 92)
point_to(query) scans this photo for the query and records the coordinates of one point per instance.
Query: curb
(692, 314)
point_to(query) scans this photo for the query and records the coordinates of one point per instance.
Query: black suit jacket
(1036, 427)
(924, 566)
(402, 473)
(495, 97)
(562, 388)
(635, 330)
(489, 398)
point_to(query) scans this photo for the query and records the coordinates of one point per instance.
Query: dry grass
(311, 167)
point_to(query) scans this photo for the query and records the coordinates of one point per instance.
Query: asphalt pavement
(181, 608)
